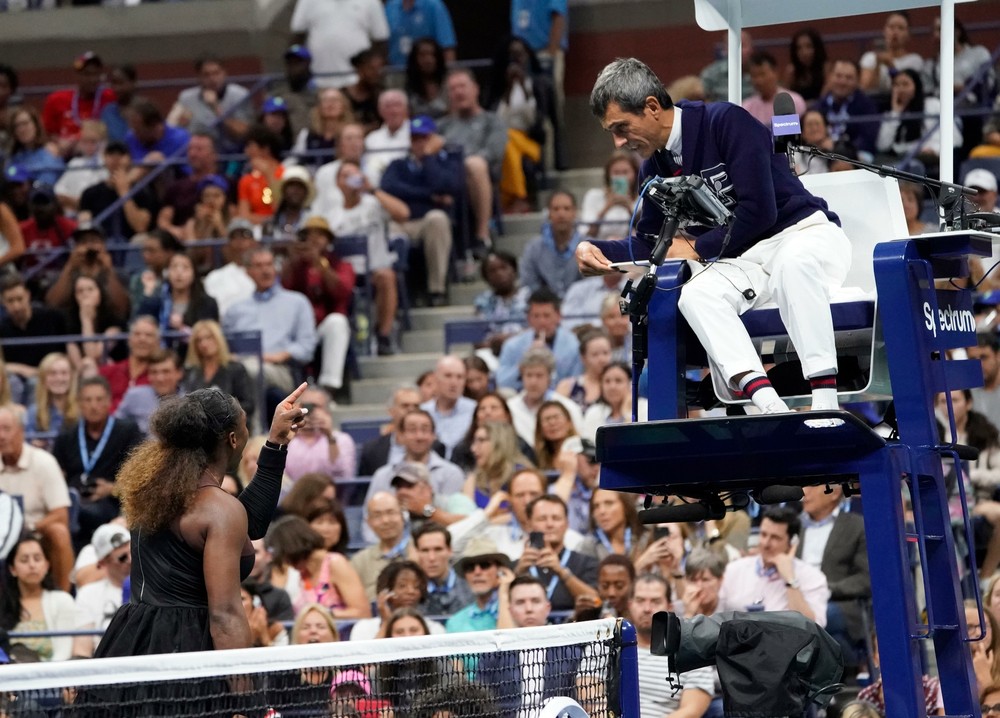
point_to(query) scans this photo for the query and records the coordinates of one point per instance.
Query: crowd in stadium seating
(482, 508)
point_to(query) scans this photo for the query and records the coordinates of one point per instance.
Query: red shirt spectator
(46, 228)
(326, 280)
(143, 340)
(57, 234)
(64, 110)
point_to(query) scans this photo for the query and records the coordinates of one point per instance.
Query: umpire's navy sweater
(733, 152)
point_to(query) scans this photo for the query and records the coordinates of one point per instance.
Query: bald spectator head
(11, 434)
(393, 108)
(449, 373)
(385, 517)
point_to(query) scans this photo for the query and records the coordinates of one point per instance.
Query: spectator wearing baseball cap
(65, 110)
(985, 184)
(14, 190)
(230, 283)
(98, 601)
(429, 182)
(274, 116)
(412, 483)
(297, 86)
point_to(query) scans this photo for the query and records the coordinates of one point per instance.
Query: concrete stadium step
(374, 392)
(435, 317)
(401, 367)
(422, 341)
(464, 293)
(519, 229)
(578, 181)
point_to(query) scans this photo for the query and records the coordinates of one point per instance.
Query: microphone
(785, 126)
(777, 494)
(677, 514)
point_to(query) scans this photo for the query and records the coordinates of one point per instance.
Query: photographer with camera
(782, 243)
(89, 258)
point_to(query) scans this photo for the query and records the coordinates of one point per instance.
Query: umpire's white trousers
(797, 269)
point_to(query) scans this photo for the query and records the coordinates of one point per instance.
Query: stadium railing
(249, 343)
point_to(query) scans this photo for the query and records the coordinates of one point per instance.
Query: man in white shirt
(329, 200)
(337, 30)
(366, 211)
(391, 141)
(97, 602)
(34, 475)
(230, 283)
(775, 580)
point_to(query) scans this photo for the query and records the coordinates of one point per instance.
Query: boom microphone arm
(949, 194)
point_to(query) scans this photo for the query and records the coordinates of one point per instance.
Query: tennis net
(491, 673)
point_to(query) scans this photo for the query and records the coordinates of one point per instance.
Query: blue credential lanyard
(606, 542)
(86, 458)
(551, 588)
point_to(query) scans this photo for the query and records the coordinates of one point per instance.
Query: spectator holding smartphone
(566, 574)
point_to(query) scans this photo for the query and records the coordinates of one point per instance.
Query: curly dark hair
(387, 578)
(157, 483)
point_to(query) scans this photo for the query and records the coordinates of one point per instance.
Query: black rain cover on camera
(772, 665)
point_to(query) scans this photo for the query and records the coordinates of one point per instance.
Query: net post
(628, 679)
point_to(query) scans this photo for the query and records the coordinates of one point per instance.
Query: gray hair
(703, 559)
(17, 412)
(627, 82)
(401, 388)
(393, 94)
(538, 356)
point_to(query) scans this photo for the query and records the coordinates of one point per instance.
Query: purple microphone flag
(782, 125)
